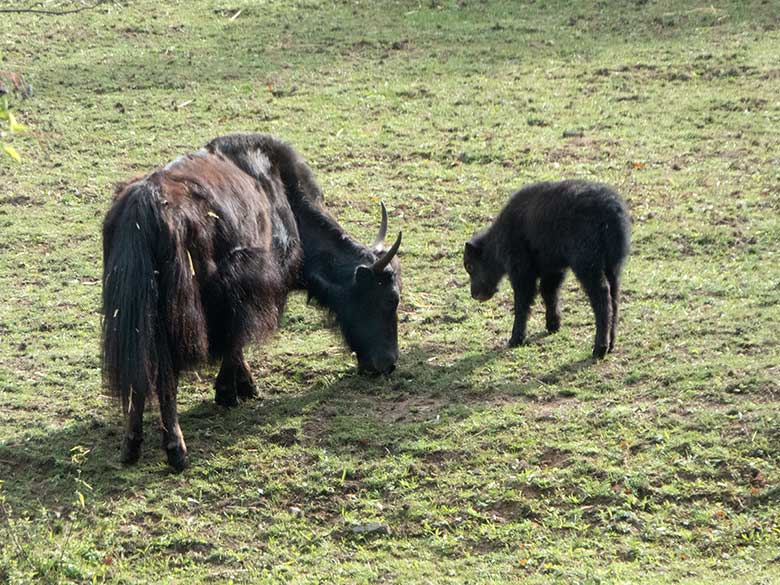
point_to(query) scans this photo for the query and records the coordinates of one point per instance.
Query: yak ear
(364, 274)
(472, 250)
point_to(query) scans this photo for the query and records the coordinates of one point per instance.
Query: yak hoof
(225, 393)
(553, 325)
(223, 399)
(516, 342)
(247, 389)
(599, 352)
(131, 450)
(177, 457)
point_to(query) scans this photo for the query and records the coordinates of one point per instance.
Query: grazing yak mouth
(374, 373)
(376, 368)
(371, 372)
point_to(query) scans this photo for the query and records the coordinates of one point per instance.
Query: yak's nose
(385, 364)
(380, 365)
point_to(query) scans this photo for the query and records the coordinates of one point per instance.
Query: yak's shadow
(44, 465)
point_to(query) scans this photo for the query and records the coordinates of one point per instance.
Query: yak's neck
(330, 256)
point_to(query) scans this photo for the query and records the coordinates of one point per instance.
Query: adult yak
(198, 259)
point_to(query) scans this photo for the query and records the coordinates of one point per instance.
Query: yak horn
(380, 236)
(385, 259)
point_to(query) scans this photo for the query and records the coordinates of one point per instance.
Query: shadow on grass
(387, 408)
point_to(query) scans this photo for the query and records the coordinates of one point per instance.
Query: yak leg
(524, 286)
(172, 438)
(550, 285)
(597, 288)
(613, 277)
(245, 386)
(234, 380)
(246, 299)
(131, 444)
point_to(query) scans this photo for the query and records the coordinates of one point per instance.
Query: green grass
(487, 465)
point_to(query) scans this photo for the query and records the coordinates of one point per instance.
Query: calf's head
(484, 271)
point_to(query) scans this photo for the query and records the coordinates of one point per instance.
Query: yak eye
(469, 267)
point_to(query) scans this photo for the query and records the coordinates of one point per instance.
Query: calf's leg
(549, 286)
(524, 287)
(597, 288)
(613, 278)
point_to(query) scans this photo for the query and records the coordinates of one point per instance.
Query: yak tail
(152, 319)
(615, 233)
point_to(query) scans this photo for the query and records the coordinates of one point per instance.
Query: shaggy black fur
(543, 230)
(198, 260)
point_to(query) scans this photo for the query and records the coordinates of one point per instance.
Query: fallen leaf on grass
(11, 151)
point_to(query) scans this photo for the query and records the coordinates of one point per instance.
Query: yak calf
(543, 230)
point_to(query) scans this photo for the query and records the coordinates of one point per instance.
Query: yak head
(484, 271)
(367, 307)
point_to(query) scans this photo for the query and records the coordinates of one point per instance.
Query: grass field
(480, 464)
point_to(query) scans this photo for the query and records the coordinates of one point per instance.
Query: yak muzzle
(378, 365)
